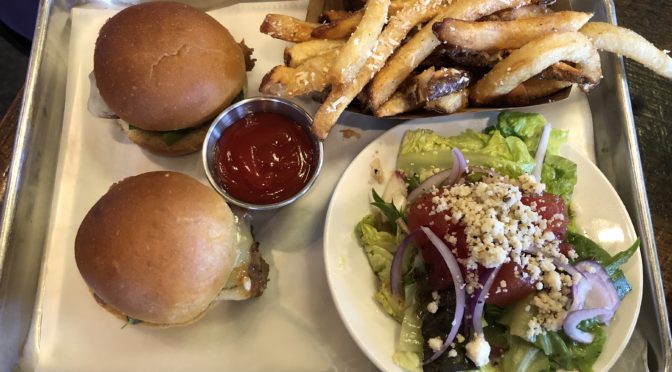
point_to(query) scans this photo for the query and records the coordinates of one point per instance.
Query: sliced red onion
(446, 177)
(594, 290)
(541, 151)
(477, 314)
(427, 184)
(395, 269)
(575, 317)
(569, 269)
(459, 167)
(458, 282)
(395, 191)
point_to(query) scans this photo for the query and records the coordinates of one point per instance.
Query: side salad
(478, 258)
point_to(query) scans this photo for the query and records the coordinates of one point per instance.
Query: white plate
(600, 215)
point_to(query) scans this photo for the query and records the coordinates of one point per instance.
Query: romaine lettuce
(524, 357)
(528, 127)
(379, 247)
(559, 176)
(508, 147)
(409, 354)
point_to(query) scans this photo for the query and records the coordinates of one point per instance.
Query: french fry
(299, 53)
(628, 43)
(490, 35)
(339, 29)
(334, 15)
(287, 28)
(399, 103)
(533, 89)
(406, 98)
(339, 98)
(534, 57)
(361, 43)
(450, 103)
(413, 94)
(308, 77)
(421, 45)
(563, 72)
(396, 6)
(527, 11)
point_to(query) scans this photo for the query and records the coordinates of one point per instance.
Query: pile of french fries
(397, 56)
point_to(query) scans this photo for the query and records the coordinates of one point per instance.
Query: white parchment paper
(293, 326)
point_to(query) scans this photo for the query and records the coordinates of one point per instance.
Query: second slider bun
(164, 66)
(157, 247)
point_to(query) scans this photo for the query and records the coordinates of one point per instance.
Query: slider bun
(165, 66)
(157, 247)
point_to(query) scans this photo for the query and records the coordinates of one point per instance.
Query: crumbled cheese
(499, 228)
(552, 280)
(460, 338)
(433, 307)
(478, 350)
(452, 353)
(435, 343)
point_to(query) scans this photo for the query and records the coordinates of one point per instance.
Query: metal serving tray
(30, 186)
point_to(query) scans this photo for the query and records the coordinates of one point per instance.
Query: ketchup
(264, 158)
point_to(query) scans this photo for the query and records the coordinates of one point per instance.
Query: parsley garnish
(389, 210)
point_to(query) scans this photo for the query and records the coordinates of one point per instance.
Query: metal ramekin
(238, 111)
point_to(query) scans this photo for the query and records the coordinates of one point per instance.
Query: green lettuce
(571, 355)
(586, 249)
(559, 176)
(560, 350)
(508, 147)
(524, 357)
(395, 307)
(423, 152)
(379, 247)
(409, 353)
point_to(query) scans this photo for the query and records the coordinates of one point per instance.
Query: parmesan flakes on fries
(299, 53)
(306, 78)
(398, 27)
(469, 52)
(340, 28)
(287, 28)
(534, 57)
(513, 34)
(421, 45)
(361, 43)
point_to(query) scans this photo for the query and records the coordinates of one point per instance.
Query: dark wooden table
(652, 105)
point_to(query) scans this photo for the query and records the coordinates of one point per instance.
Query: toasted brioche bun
(153, 141)
(157, 247)
(166, 66)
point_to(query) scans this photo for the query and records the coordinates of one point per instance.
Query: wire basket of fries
(394, 57)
